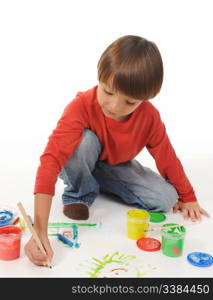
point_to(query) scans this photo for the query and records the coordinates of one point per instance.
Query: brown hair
(133, 66)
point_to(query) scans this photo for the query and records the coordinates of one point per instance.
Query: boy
(99, 134)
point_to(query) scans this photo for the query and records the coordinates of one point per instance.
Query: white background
(49, 51)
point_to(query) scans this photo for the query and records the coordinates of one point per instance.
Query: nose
(114, 107)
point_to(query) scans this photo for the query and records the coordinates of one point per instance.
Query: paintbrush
(34, 234)
(165, 227)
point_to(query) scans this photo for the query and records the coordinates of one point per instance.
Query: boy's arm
(41, 215)
(61, 145)
(170, 167)
(167, 162)
(42, 207)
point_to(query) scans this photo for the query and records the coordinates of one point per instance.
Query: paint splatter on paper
(115, 265)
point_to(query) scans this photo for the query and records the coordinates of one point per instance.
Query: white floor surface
(110, 235)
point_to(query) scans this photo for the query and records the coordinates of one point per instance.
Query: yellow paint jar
(137, 222)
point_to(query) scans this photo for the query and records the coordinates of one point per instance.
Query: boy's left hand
(190, 210)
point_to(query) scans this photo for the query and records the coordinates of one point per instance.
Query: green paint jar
(173, 240)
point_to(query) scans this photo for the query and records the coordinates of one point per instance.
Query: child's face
(116, 106)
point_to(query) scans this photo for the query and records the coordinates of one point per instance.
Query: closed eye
(129, 103)
(108, 93)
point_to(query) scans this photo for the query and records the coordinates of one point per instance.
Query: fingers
(185, 213)
(35, 255)
(191, 213)
(36, 252)
(204, 212)
(33, 259)
(37, 262)
(49, 251)
(198, 215)
(194, 215)
(176, 208)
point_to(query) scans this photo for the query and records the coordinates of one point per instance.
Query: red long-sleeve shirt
(121, 142)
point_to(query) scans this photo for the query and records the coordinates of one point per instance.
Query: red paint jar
(10, 242)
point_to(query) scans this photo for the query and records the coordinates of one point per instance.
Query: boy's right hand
(34, 253)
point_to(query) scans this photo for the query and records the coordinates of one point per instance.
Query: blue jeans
(85, 176)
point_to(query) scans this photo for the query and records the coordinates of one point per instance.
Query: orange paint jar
(10, 242)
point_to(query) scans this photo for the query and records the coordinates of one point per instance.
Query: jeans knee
(85, 156)
(90, 142)
(169, 199)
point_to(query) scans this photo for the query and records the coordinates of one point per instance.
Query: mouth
(110, 113)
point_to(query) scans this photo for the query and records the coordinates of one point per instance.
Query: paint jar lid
(200, 259)
(149, 244)
(138, 214)
(156, 217)
(6, 218)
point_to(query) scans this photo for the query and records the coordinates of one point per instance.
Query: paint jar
(173, 240)
(137, 223)
(10, 242)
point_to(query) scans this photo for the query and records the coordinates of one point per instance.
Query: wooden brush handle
(32, 230)
(171, 226)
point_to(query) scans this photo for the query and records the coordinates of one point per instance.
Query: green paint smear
(65, 225)
(97, 265)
